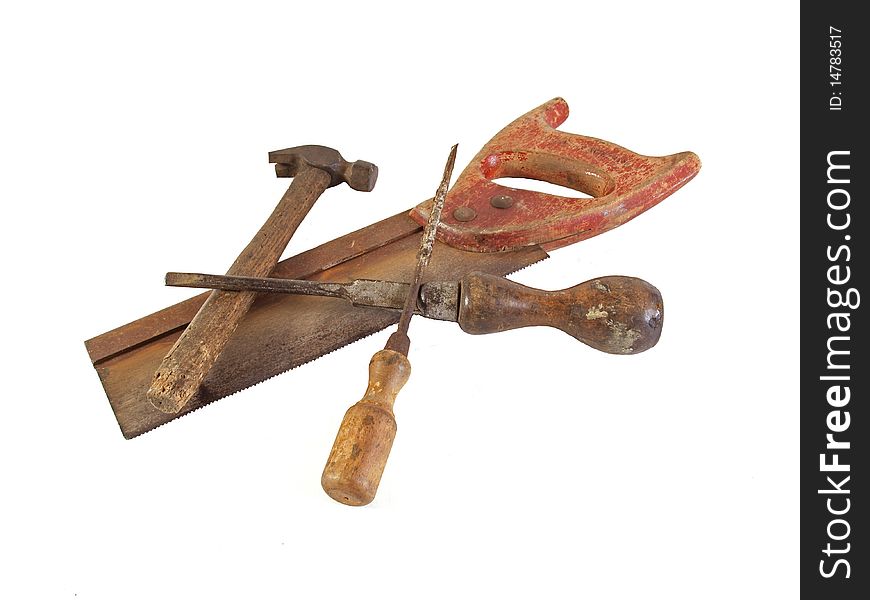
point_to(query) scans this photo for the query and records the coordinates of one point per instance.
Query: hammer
(314, 168)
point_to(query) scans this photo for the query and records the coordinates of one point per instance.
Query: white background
(134, 141)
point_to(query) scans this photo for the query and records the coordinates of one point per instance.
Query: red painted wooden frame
(622, 184)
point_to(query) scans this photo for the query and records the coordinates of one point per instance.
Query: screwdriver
(361, 448)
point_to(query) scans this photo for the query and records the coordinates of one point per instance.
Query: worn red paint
(622, 184)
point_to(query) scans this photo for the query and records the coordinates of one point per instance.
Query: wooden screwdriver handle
(618, 315)
(362, 446)
(183, 369)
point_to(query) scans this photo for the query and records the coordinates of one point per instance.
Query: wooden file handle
(618, 315)
(362, 446)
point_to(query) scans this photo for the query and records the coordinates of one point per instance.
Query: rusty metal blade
(240, 283)
(281, 332)
(436, 299)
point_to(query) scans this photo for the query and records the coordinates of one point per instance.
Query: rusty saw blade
(281, 332)
(486, 227)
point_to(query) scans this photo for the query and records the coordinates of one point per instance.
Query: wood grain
(183, 369)
(362, 446)
(280, 332)
(615, 314)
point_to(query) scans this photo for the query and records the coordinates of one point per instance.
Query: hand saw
(486, 227)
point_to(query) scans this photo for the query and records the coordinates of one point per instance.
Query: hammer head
(360, 175)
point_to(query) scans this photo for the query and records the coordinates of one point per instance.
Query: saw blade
(282, 332)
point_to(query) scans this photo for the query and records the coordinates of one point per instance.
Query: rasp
(614, 314)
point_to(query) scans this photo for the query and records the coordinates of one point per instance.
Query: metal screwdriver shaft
(361, 448)
(399, 340)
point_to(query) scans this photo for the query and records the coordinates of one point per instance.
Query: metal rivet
(501, 201)
(464, 213)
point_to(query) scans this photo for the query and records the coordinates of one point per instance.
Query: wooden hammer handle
(182, 371)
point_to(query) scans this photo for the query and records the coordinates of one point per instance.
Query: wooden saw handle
(362, 446)
(621, 185)
(618, 315)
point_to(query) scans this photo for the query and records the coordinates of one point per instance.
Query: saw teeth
(524, 267)
(390, 247)
(210, 402)
(193, 410)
